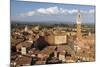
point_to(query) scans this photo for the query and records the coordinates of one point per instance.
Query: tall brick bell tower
(78, 21)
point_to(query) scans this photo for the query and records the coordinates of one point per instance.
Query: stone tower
(78, 21)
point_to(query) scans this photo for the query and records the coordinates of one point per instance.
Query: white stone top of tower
(78, 17)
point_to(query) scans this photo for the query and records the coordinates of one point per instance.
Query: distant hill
(45, 22)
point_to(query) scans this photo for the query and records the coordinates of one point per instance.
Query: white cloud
(41, 10)
(63, 10)
(53, 10)
(72, 11)
(31, 13)
(50, 10)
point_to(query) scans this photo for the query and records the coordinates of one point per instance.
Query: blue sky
(34, 11)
